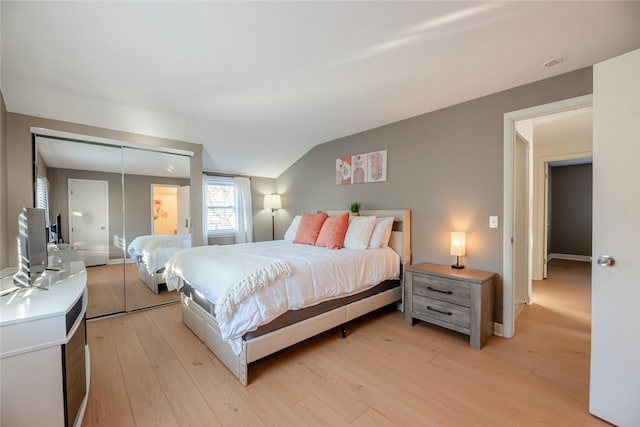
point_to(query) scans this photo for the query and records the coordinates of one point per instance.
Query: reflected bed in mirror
(150, 253)
(103, 193)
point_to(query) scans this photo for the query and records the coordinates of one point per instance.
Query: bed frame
(205, 327)
(152, 280)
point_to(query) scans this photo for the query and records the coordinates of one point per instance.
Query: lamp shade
(457, 243)
(272, 201)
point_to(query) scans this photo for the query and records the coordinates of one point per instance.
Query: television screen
(32, 246)
(55, 232)
(59, 237)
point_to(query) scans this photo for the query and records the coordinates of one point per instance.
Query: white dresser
(44, 357)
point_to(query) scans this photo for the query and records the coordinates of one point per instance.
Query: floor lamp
(273, 202)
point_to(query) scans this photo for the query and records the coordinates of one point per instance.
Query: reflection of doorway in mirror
(164, 209)
(88, 201)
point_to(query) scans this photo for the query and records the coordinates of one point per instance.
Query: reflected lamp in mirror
(273, 202)
(458, 247)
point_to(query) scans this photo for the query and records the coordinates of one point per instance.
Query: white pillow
(359, 232)
(381, 233)
(293, 228)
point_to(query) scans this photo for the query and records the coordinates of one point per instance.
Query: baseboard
(113, 261)
(497, 329)
(518, 309)
(569, 257)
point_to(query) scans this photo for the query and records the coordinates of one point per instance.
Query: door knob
(103, 228)
(606, 261)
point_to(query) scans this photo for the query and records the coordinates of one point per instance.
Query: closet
(98, 193)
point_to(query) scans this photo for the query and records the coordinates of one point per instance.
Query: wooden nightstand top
(465, 274)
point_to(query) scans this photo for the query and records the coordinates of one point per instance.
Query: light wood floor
(114, 288)
(148, 369)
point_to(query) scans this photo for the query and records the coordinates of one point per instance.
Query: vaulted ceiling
(261, 83)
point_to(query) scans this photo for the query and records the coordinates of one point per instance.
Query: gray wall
(137, 199)
(446, 166)
(4, 255)
(261, 216)
(571, 208)
(19, 147)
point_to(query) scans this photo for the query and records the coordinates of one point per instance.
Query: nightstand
(461, 300)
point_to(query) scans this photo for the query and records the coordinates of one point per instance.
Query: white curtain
(205, 213)
(244, 213)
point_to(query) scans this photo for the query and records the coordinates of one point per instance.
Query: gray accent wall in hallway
(446, 166)
(571, 207)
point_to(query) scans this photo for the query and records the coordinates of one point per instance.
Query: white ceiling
(101, 157)
(567, 126)
(260, 83)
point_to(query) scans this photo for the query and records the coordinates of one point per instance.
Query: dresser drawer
(436, 311)
(443, 289)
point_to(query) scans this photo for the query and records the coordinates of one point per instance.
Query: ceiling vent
(553, 62)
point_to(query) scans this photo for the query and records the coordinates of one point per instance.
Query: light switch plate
(493, 221)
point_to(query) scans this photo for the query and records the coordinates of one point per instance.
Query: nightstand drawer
(435, 311)
(443, 289)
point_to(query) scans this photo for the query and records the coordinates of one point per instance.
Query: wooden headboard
(400, 240)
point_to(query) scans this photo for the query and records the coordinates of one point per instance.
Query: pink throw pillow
(309, 228)
(333, 231)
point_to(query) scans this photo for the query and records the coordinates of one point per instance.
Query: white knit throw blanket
(243, 275)
(231, 274)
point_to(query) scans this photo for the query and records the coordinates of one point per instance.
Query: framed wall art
(362, 168)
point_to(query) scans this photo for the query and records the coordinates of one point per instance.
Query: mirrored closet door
(155, 206)
(100, 198)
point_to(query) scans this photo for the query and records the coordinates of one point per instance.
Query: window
(221, 205)
(42, 196)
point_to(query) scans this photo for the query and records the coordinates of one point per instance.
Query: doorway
(514, 260)
(164, 209)
(170, 209)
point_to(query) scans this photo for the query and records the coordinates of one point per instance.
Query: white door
(89, 220)
(184, 208)
(615, 339)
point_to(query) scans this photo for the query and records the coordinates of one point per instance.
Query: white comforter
(154, 251)
(318, 274)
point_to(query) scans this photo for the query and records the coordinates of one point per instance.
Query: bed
(243, 331)
(151, 252)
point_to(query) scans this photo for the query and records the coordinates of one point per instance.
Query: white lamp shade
(457, 243)
(272, 201)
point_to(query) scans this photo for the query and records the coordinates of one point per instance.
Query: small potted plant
(354, 209)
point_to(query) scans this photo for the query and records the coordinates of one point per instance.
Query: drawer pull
(439, 290)
(448, 313)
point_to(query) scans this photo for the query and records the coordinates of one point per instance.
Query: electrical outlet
(493, 221)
